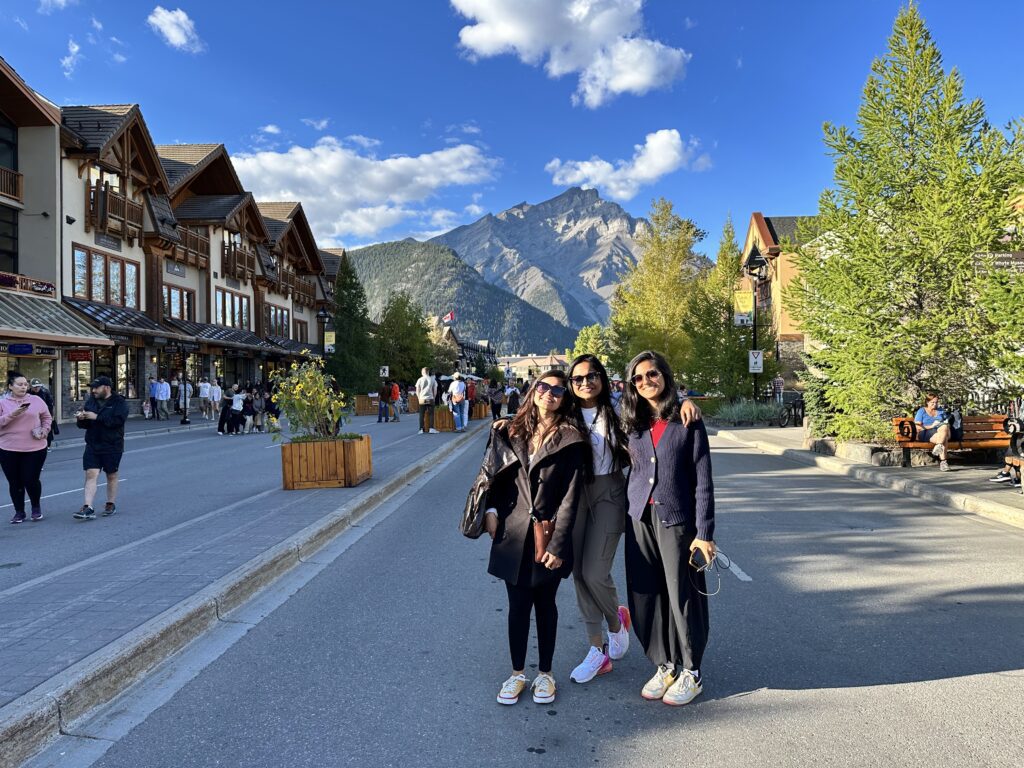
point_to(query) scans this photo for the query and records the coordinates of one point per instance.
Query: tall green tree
(718, 356)
(353, 362)
(889, 289)
(592, 340)
(648, 308)
(402, 340)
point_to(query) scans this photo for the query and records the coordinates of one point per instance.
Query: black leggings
(542, 601)
(22, 470)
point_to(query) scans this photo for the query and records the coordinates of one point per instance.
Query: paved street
(874, 630)
(192, 507)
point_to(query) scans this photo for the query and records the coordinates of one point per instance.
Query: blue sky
(408, 117)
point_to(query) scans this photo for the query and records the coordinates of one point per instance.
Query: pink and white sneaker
(618, 642)
(596, 663)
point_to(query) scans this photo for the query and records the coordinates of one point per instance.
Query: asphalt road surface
(858, 627)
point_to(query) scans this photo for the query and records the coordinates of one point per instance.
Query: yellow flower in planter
(308, 398)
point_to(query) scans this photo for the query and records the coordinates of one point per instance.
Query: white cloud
(599, 40)
(739, 62)
(21, 23)
(363, 141)
(49, 6)
(474, 210)
(119, 58)
(689, 23)
(662, 153)
(69, 62)
(469, 128)
(317, 125)
(270, 128)
(176, 29)
(346, 193)
(115, 41)
(96, 24)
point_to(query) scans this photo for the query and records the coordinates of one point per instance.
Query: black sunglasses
(556, 390)
(652, 375)
(590, 378)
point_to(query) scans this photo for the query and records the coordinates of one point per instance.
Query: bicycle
(792, 412)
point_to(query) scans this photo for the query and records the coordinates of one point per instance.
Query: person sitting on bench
(1009, 473)
(933, 427)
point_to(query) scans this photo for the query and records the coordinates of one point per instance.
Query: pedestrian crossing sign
(385, 371)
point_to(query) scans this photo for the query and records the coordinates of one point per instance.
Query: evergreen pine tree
(354, 360)
(403, 343)
(889, 290)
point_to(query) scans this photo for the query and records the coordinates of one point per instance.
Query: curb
(28, 723)
(871, 475)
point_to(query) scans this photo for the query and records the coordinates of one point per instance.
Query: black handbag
(472, 524)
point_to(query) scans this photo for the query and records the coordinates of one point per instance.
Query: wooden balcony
(237, 262)
(111, 212)
(12, 185)
(304, 292)
(194, 248)
(24, 284)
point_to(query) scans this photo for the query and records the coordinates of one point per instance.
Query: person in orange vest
(396, 399)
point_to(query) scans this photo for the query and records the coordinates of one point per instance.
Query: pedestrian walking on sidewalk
(670, 536)
(601, 518)
(236, 420)
(154, 393)
(396, 400)
(204, 397)
(383, 402)
(531, 476)
(259, 405)
(512, 399)
(495, 396)
(460, 406)
(226, 399)
(24, 425)
(102, 418)
(185, 391)
(163, 397)
(426, 392)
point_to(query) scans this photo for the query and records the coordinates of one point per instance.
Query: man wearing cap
(103, 419)
(36, 388)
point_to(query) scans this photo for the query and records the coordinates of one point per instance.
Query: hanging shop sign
(78, 355)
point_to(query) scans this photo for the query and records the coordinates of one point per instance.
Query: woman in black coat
(671, 502)
(536, 464)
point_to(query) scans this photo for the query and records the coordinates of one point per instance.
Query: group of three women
(557, 502)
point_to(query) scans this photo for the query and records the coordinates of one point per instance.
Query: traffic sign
(755, 361)
(385, 371)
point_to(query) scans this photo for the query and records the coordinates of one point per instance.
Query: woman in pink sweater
(24, 424)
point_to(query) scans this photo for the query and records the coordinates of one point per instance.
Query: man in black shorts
(103, 419)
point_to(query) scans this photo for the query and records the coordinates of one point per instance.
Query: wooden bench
(979, 433)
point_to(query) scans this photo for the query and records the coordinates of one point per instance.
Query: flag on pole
(449, 318)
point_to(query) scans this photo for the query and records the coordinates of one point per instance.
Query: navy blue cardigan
(677, 476)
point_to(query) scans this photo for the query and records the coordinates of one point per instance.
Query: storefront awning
(124, 320)
(30, 317)
(225, 337)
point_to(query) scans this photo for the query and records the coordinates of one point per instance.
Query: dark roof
(162, 216)
(44, 319)
(182, 160)
(218, 334)
(210, 207)
(293, 346)
(784, 227)
(277, 216)
(96, 124)
(266, 260)
(331, 257)
(121, 319)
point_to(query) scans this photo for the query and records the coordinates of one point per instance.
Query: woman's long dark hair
(635, 411)
(526, 422)
(604, 407)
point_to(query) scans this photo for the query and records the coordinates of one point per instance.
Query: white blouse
(601, 441)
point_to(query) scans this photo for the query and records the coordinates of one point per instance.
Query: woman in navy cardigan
(672, 506)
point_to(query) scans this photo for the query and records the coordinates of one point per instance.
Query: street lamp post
(322, 318)
(756, 268)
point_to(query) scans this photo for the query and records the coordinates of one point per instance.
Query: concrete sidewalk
(965, 488)
(72, 437)
(78, 636)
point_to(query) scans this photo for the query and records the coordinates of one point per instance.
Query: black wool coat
(548, 490)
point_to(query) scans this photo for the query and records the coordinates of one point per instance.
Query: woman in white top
(601, 519)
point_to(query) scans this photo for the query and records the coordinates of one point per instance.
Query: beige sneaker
(684, 690)
(511, 688)
(659, 684)
(543, 688)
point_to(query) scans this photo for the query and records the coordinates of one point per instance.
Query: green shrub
(748, 410)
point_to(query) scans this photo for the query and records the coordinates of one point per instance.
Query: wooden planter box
(444, 420)
(414, 404)
(480, 411)
(326, 463)
(366, 405)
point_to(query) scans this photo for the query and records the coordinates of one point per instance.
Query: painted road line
(738, 572)
(64, 493)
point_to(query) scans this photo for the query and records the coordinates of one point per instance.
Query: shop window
(127, 372)
(81, 375)
(8, 239)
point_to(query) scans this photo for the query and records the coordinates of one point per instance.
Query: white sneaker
(596, 663)
(511, 688)
(420, 432)
(684, 690)
(434, 432)
(543, 688)
(618, 642)
(944, 466)
(937, 450)
(659, 684)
